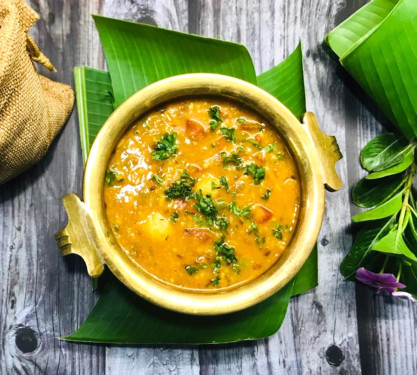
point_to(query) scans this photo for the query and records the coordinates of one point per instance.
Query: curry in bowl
(202, 193)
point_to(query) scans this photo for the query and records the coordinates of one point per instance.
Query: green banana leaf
(377, 46)
(120, 316)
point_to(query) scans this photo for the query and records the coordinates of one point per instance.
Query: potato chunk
(157, 226)
(194, 129)
(205, 183)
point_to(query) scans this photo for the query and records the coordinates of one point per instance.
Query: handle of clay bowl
(328, 150)
(77, 237)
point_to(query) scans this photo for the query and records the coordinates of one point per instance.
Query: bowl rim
(292, 132)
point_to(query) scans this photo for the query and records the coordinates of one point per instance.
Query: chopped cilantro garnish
(165, 147)
(215, 281)
(239, 212)
(225, 251)
(270, 147)
(257, 172)
(229, 133)
(112, 176)
(174, 217)
(158, 179)
(214, 186)
(205, 206)
(217, 264)
(240, 120)
(266, 195)
(232, 159)
(191, 270)
(277, 232)
(214, 113)
(222, 223)
(254, 143)
(200, 222)
(253, 227)
(181, 188)
(260, 240)
(224, 183)
(234, 194)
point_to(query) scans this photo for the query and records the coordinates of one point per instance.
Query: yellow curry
(202, 194)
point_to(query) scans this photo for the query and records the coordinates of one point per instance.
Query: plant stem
(399, 271)
(385, 263)
(407, 192)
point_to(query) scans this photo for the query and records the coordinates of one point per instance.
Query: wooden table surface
(336, 328)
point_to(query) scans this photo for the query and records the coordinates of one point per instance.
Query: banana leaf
(120, 316)
(377, 46)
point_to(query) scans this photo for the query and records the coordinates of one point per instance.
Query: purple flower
(404, 295)
(384, 282)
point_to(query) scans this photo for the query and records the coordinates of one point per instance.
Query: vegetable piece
(157, 226)
(229, 133)
(261, 214)
(181, 188)
(222, 223)
(257, 172)
(199, 233)
(165, 147)
(194, 129)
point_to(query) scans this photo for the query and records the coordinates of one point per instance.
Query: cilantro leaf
(234, 159)
(214, 113)
(158, 179)
(266, 195)
(206, 206)
(181, 188)
(277, 232)
(270, 147)
(191, 270)
(165, 147)
(215, 281)
(224, 183)
(229, 133)
(225, 251)
(257, 172)
(239, 212)
(174, 217)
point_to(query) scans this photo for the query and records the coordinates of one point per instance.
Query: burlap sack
(32, 108)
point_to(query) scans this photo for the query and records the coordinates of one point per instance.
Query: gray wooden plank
(42, 295)
(325, 317)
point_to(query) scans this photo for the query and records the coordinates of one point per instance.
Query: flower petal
(404, 295)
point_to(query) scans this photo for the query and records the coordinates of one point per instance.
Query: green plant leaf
(286, 82)
(365, 240)
(119, 315)
(383, 151)
(393, 243)
(386, 209)
(139, 54)
(409, 278)
(94, 106)
(369, 193)
(377, 47)
(408, 158)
